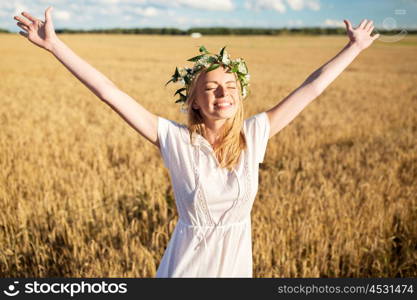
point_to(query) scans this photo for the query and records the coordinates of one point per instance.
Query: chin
(226, 115)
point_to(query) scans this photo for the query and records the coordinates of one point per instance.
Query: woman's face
(217, 94)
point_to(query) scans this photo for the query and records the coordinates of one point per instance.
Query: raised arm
(285, 111)
(42, 34)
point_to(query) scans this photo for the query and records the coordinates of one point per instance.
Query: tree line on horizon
(221, 31)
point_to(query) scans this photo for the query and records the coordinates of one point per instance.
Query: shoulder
(173, 130)
(258, 119)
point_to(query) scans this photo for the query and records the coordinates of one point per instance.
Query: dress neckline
(244, 189)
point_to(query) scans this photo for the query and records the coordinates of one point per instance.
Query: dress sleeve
(167, 136)
(258, 128)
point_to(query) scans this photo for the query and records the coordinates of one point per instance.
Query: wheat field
(82, 194)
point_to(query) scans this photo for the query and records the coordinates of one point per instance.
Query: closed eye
(230, 87)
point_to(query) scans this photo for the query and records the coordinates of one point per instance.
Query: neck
(213, 130)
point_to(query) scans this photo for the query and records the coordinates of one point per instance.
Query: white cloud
(113, 2)
(110, 1)
(184, 21)
(62, 15)
(313, 5)
(279, 5)
(52, 2)
(146, 11)
(181, 20)
(301, 4)
(296, 4)
(6, 5)
(223, 5)
(19, 8)
(334, 23)
(74, 6)
(108, 10)
(258, 5)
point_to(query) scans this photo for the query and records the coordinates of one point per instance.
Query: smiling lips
(223, 105)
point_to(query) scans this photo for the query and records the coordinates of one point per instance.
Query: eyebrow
(217, 82)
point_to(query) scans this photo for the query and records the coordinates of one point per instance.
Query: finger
(23, 26)
(348, 25)
(48, 17)
(362, 24)
(25, 34)
(29, 16)
(371, 29)
(368, 25)
(374, 37)
(22, 20)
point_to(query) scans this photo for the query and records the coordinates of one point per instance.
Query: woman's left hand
(361, 35)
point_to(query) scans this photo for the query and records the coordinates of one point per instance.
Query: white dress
(213, 236)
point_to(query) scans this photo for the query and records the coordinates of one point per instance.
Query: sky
(184, 14)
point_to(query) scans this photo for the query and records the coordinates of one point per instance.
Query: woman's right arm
(42, 34)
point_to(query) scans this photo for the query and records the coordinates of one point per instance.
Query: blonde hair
(232, 139)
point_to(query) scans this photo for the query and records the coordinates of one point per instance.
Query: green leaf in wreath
(222, 52)
(183, 97)
(203, 49)
(212, 59)
(235, 68)
(172, 79)
(213, 67)
(177, 73)
(195, 58)
(180, 90)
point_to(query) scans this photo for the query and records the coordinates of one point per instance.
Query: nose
(221, 91)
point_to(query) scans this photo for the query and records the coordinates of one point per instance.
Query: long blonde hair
(232, 139)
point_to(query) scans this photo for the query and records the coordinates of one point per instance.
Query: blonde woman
(213, 160)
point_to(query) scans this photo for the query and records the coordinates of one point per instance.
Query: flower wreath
(210, 62)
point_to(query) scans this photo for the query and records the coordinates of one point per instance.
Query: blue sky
(183, 14)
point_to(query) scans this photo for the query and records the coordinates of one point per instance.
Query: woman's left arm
(285, 111)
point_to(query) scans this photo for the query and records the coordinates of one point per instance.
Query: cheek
(205, 99)
(204, 104)
(235, 94)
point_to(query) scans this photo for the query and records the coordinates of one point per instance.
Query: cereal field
(82, 194)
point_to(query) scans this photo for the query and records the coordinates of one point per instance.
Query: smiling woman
(215, 89)
(213, 161)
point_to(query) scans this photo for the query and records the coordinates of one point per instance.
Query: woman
(213, 161)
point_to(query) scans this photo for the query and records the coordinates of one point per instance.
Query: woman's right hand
(41, 33)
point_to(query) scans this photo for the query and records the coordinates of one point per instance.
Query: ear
(195, 105)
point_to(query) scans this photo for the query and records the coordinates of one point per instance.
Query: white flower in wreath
(183, 72)
(225, 58)
(203, 61)
(242, 68)
(183, 108)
